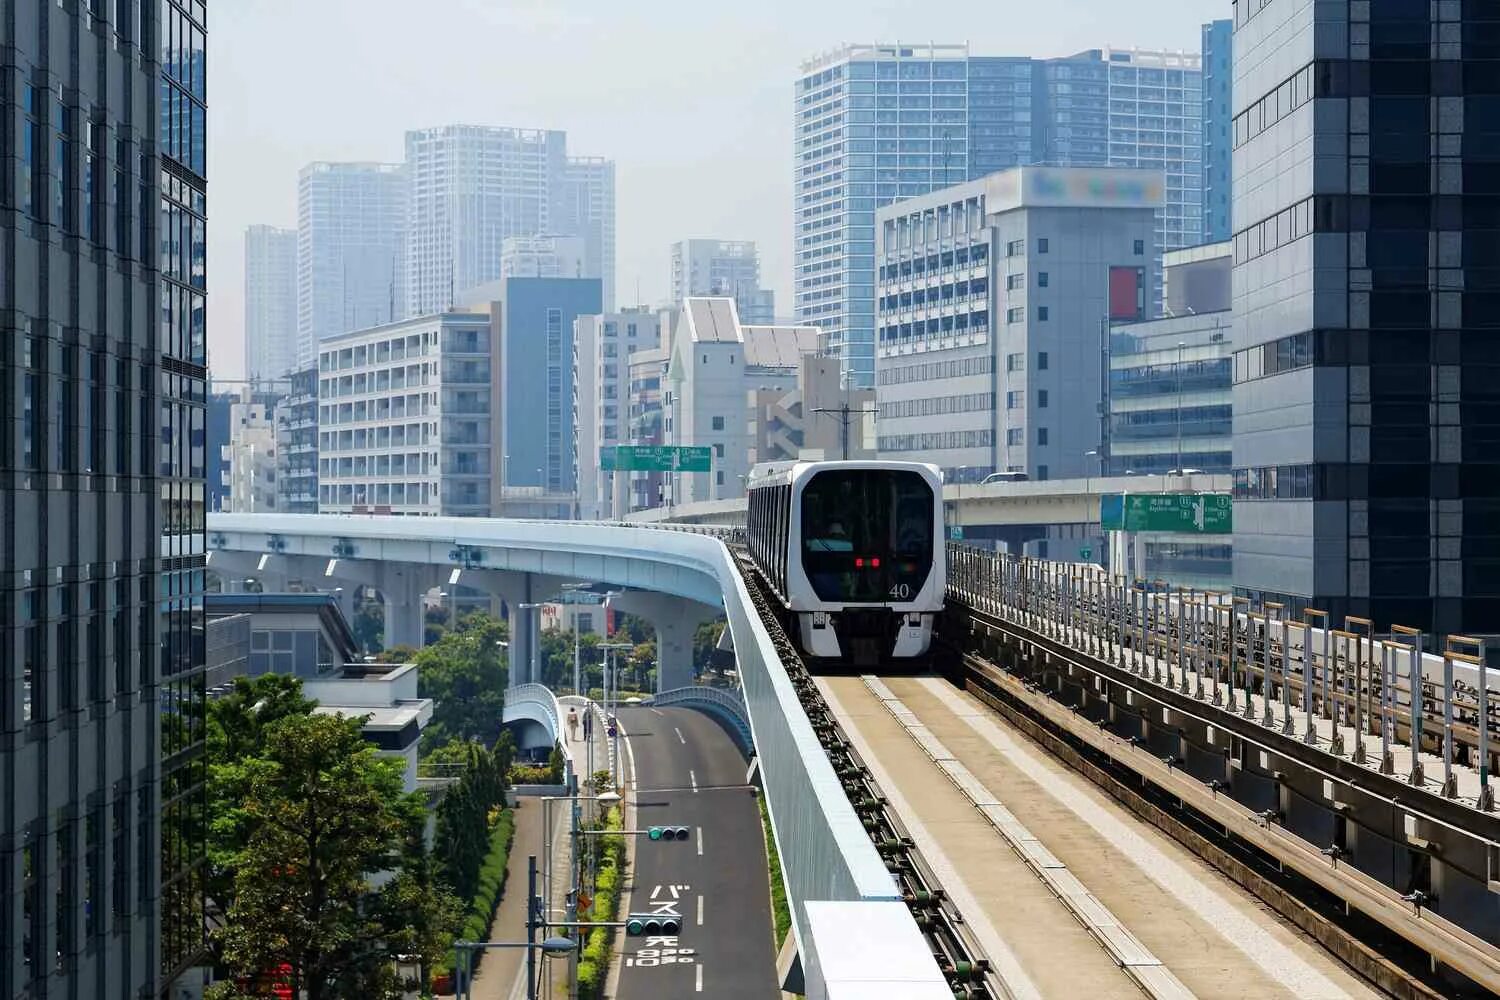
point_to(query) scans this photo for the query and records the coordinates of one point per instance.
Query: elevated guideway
(825, 853)
(1357, 765)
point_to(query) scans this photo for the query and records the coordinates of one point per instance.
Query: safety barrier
(728, 706)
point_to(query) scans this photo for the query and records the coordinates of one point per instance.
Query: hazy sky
(691, 98)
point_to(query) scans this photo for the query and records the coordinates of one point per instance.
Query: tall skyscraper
(178, 420)
(1367, 374)
(351, 246)
(589, 213)
(723, 267)
(873, 124)
(878, 123)
(1152, 101)
(102, 533)
(471, 187)
(1218, 115)
(270, 302)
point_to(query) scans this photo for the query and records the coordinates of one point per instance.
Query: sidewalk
(504, 967)
(588, 756)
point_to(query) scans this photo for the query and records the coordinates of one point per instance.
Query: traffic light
(653, 924)
(668, 833)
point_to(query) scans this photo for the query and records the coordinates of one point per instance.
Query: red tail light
(875, 563)
(859, 562)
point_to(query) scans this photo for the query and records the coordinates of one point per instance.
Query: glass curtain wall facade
(1387, 506)
(101, 628)
(1218, 114)
(182, 443)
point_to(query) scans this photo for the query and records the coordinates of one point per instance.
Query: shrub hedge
(491, 885)
(593, 962)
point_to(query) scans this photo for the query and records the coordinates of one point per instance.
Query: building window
(1041, 361)
(1041, 314)
(1015, 435)
(1041, 279)
(1015, 362)
(1015, 400)
(1016, 314)
(1041, 244)
(717, 423)
(1041, 435)
(718, 451)
(1015, 248)
(1041, 472)
(1014, 281)
(719, 477)
(1041, 399)
(1140, 248)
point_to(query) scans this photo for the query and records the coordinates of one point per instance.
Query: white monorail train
(854, 551)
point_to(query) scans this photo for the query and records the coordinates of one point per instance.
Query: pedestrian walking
(573, 724)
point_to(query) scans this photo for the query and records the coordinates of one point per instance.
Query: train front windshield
(867, 534)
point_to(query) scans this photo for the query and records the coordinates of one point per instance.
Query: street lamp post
(1180, 465)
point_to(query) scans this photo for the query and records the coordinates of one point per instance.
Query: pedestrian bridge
(825, 853)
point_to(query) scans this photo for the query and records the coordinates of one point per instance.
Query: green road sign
(955, 533)
(1187, 513)
(660, 458)
(1085, 553)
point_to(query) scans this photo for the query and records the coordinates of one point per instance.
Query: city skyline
(714, 184)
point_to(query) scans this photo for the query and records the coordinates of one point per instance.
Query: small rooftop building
(306, 635)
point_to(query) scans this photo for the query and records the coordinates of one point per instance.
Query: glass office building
(101, 619)
(181, 295)
(1218, 113)
(875, 124)
(1367, 372)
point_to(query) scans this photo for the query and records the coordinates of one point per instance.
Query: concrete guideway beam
(675, 620)
(825, 852)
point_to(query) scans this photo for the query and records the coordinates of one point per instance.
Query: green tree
(463, 816)
(368, 626)
(237, 727)
(397, 654)
(640, 662)
(237, 722)
(325, 812)
(705, 645)
(465, 673)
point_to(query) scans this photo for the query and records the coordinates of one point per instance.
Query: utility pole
(844, 411)
(1180, 346)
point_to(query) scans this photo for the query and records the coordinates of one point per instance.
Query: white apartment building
(408, 417)
(543, 256)
(351, 225)
(603, 347)
(994, 298)
(716, 367)
(270, 302)
(723, 267)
